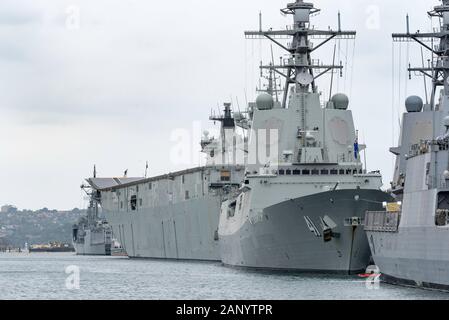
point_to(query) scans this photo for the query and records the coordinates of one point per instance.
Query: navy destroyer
(91, 234)
(302, 207)
(410, 238)
(175, 215)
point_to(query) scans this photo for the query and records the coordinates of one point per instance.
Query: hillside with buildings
(18, 227)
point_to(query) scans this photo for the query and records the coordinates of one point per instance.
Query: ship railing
(382, 221)
(444, 184)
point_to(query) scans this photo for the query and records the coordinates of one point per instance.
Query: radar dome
(414, 104)
(340, 101)
(264, 102)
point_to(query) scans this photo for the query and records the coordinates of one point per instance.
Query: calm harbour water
(43, 277)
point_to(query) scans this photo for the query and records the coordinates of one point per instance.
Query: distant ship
(92, 235)
(303, 208)
(175, 215)
(53, 247)
(410, 238)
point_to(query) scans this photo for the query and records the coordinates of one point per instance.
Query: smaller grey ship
(410, 239)
(92, 235)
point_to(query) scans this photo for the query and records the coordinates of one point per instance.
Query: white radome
(340, 101)
(264, 102)
(414, 104)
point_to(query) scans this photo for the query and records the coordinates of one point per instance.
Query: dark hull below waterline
(51, 250)
(410, 283)
(283, 241)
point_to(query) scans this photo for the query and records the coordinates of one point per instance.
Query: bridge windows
(316, 172)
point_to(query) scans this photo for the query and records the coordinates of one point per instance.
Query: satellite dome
(414, 104)
(264, 102)
(340, 101)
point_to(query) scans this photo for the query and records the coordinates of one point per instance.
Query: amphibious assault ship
(174, 216)
(410, 239)
(303, 206)
(92, 235)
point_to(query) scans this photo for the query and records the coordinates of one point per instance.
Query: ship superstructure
(301, 207)
(175, 215)
(92, 235)
(409, 239)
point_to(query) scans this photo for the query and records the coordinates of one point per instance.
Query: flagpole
(146, 170)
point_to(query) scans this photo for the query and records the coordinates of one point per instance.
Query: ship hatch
(231, 209)
(442, 214)
(133, 203)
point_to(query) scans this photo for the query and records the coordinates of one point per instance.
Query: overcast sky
(106, 82)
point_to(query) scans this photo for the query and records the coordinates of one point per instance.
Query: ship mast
(94, 199)
(271, 86)
(299, 69)
(227, 125)
(438, 70)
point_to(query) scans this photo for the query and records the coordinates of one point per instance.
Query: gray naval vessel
(410, 239)
(173, 216)
(91, 234)
(301, 208)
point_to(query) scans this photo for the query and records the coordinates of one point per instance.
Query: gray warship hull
(414, 258)
(90, 248)
(410, 247)
(282, 239)
(409, 239)
(173, 216)
(183, 231)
